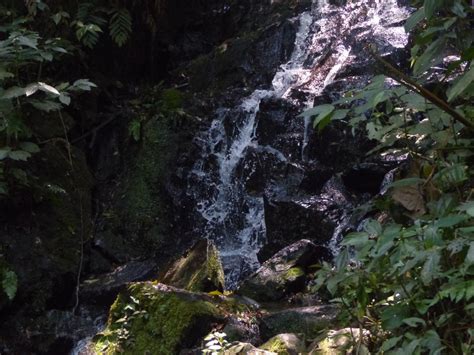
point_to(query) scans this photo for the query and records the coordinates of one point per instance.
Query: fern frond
(120, 26)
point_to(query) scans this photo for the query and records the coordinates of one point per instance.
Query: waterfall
(326, 35)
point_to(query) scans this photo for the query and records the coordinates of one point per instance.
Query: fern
(88, 24)
(120, 26)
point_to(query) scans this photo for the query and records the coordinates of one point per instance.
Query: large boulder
(158, 319)
(199, 269)
(284, 273)
(302, 320)
(285, 344)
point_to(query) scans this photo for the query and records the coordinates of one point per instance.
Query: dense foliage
(407, 273)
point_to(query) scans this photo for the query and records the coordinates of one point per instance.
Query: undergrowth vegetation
(407, 273)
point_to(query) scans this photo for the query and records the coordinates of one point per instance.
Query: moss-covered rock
(285, 344)
(200, 269)
(337, 342)
(158, 319)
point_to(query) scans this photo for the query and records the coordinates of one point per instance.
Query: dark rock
(284, 273)
(238, 329)
(113, 246)
(305, 320)
(249, 60)
(365, 177)
(199, 269)
(103, 289)
(288, 220)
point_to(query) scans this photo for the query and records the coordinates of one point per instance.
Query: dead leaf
(411, 198)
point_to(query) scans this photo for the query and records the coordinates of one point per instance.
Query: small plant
(215, 343)
(23, 55)
(9, 281)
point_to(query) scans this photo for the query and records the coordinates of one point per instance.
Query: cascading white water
(234, 219)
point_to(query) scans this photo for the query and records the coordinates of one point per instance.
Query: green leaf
(431, 6)
(390, 343)
(406, 182)
(321, 112)
(13, 92)
(461, 84)
(392, 316)
(414, 322)
(4, 74)
(431, 267)
(432, 56)
(134, 129)
(450, 220)
(46, 105)
(31, 89)
(414, 19)
(373, 227)
(9, 283)
(48, 89)
(4, 152)
(470, 255)
(27, 41)
(29, 147)
(84, 85)
(356, 239)
(65, 99)
(467, 207)
(19, 155)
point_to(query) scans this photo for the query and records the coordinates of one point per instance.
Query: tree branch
(408, 82)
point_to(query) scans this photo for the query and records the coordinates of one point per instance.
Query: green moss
(214, 269)
(139, 202)
(199, 270)
(150, 319)
(275, 345)
(284, 344)
(293, 273)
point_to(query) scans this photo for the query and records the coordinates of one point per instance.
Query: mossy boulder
(337, 342)
(200, 269)
(157, 319)
(153, 318)
(285, 344)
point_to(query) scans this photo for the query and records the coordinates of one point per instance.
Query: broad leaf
(13, 92)
(431, 6)
(461, 84)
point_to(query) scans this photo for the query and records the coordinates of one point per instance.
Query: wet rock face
(259, 157)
